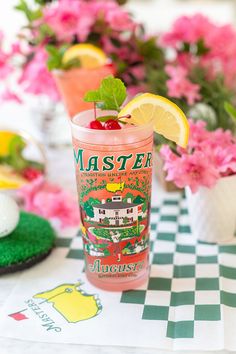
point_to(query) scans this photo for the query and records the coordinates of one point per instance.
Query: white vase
(213, 211)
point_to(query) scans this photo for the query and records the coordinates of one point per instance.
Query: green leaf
(53, 63)
(106, 118)
(201, 48)
(31, 15)
(186, 47)
(55, 57)
(150, 50)
(113, 93)
(110, 95)
(45, 30)
(230, 110)
(92, 96)
(117, 43)
(42, 2)
(52, 50)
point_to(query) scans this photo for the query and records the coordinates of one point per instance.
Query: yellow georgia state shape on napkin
(72, 303)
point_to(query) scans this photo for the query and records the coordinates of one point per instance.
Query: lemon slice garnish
(90, 56)
(168, 119)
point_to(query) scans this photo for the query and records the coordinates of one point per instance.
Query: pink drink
(114, 173)
(74, 83)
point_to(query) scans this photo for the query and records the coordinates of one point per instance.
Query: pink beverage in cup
(114, 174)
(74, 83)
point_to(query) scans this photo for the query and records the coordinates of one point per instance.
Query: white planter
(213, 211)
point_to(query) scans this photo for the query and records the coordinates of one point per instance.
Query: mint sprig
(110, 95)
(55, 58)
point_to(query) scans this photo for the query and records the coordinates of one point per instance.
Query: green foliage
(231, 110)
(127, 196)
(55, 59)
(215, 94)
(43, 2)
(197, 49)
(88, 206)
(125, 220)
(201, 48)
(93, 201)
(106, 221)
(31, 15)
(125, 233)
(88, 209)
(141, 200)
(121, 2)
(110, 95)
(150, 51)
(106, 118)
(138, 199)
(106, 252)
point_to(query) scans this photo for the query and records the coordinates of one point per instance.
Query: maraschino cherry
(112, 124)
(95, 124)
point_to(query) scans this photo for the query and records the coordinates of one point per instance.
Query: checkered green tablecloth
(190, 282)
(188, 302)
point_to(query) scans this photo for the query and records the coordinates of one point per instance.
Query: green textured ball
(29, 243)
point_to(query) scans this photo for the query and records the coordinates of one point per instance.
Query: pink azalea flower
(193, 171)
(115, 16)
(199, 134)
(125, 54)
(209, 156)
(168, 155)
(51, 202)
(36, 78)
(16, 48)
(180, 86)
(9, 95)
(120, 20)
(187, 29)
(138, 71)
(222, 137)
(107, 45)
(219, 40)
(68, 18)
(225, 159)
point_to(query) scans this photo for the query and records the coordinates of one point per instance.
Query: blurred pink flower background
(51, 202)
(208, 157)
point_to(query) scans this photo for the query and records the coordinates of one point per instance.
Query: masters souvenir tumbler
(114, 173)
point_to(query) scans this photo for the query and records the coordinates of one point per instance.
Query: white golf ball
(9, 215)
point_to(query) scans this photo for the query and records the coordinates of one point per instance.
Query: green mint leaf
(230, 110)
(113, 93)
(55, 57)
(92, 96)
(53, 51)
(110, 95)
(106, 118)
(100, 105)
